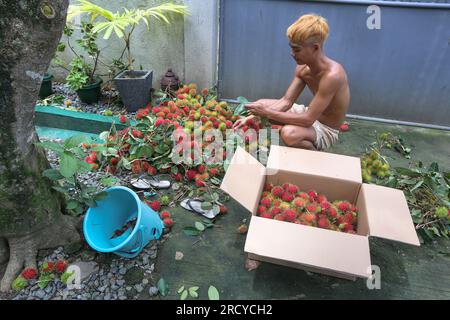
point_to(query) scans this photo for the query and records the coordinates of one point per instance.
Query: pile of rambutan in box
(332, 213)
(288, 203)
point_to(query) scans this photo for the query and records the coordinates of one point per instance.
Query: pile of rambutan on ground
(288, 203)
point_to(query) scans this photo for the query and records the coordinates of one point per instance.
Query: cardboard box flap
(244, 179)
(388, 214)
(314, 163)
(309, 246)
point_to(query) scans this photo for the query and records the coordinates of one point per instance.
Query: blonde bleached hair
(308, 29)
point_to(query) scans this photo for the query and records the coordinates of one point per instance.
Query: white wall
(189, 47)
(157, 49)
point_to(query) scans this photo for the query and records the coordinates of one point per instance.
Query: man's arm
(293, 92)
(327, 89)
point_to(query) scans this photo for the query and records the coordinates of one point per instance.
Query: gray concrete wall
(157, 49)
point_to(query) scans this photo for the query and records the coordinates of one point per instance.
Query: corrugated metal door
(399, 72)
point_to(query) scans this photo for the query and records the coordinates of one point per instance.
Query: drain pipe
(425, 5)
(399, 122)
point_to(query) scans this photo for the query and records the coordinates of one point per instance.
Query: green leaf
(191, 231)
(109, 181)
(144, 152)
(436, 231)
(68, 165)
(180, 290)
(72, 204)
(241, 100)
(75, 141)
(216, 209)
(417, 185)
(60, 189)
(53, 174)
(91, 203)
(99, 149)
(104, 136)
(162, 287)
(126, 164)
(78, 151)
(100, 196)
(51, 146)
(434, 167)
(45, 279)
(112, 151)
(213, 293)
(193, 292)
(174, 170)
(407, 172)
(184, 295)
(199, 226)
(206, 205)
(194, 289)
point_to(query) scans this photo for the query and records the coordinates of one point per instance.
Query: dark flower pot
(134, 88)
(90, 93)
(46, 86)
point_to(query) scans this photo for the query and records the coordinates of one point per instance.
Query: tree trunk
(30, 211)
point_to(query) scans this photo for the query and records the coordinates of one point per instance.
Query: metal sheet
(400, 72)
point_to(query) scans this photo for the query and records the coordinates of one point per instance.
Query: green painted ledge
(54, 117)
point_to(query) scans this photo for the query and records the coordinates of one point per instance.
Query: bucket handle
(134, 252)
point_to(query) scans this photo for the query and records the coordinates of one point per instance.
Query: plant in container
(82, 76)
(133, 85)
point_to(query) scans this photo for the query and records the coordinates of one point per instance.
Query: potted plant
(133, 85)
(46, 86)
(82, 76)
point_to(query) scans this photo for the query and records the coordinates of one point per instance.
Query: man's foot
(251, 264)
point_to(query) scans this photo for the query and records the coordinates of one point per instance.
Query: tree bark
(30, 211)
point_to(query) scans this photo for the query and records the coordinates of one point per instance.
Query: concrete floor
(407, 272)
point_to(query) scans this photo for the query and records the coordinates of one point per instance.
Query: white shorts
(325, 135)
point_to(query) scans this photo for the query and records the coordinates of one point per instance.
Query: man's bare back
(335, 112)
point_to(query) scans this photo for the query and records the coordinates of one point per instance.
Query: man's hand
(242, 122)
(257, 109)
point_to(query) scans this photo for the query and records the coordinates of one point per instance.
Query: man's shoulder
(337, 70)
(335, 74)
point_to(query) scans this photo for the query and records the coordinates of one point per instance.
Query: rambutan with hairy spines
(292, 189)
(321, 198)
(344, 206)
(287, 196)
(261, 209)
(290, 215)
(313, 194)
(309, 217)
(266, 215)
(277, 191)
(323, 223)
(274, 211)
(266, 202)
(304, 195)
(300, 203)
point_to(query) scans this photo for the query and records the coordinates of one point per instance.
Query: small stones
(139, 288)
(153, 291)
(123, 271)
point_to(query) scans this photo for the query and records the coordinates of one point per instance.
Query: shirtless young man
(315, 127)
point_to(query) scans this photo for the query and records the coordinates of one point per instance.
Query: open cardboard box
(382, 212)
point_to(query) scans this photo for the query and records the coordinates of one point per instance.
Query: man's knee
(288, 134)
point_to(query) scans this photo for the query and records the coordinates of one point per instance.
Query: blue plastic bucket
(111, 214)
